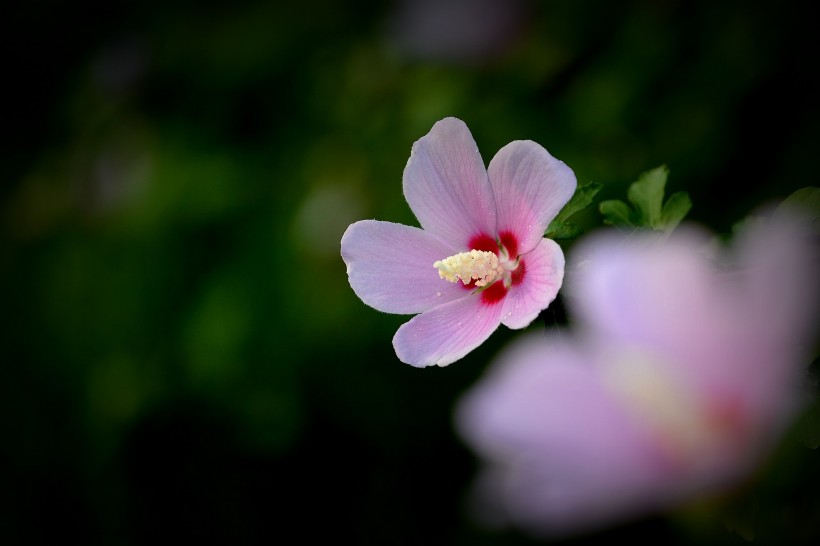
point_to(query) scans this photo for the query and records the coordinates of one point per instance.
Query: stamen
(479, 265)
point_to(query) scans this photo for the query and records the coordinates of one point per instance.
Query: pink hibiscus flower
(684, 370)
(479, 259)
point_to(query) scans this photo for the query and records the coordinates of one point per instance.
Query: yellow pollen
(479, 265)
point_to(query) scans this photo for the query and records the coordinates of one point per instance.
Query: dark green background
(183, 358)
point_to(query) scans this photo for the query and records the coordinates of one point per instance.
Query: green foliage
(560, 227)
(805, 200)
(648, 208)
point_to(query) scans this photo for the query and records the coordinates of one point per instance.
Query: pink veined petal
(446, 333)
(446, 185)
(530, 188)
(542, 280)
(390, 267)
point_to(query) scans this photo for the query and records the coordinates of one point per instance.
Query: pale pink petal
(445, 184)
(446, 333)
(679, 385)
(780, 252)
(678, 297)
(643, 289)
(712, 320)
(530, 188)
(524, 400)
(390, 267)
(544, 273)
(776, 322)
(563, 453)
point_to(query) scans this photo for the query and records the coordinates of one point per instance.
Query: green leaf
(646, 194)
(616, 213)
(559, 228)
(565, 231)
(806, 200)
(580, 200)
(674, 210)
(648, 209)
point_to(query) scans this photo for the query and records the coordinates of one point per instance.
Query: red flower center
(506, 248)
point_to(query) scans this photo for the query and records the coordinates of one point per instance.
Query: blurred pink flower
(461, 31)
(685, 368)
(479, 260)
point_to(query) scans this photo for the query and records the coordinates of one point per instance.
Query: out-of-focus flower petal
(675, 341)
(779, 255)
(530, 188)
(773, 251)
(524, 401)
(446, 185)
(682, 296)
(636, 288)
(390, 267)
(543, 274)
(456, 31)
(446, 333)
(563, 452)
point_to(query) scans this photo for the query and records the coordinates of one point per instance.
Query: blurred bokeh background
(183, 358)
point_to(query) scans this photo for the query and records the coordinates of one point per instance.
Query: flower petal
(446, 333)
(543, 276)
(641, 288)
(521, 402)
(390, 267)
(446, 185)
(530, 188)
(782, 262)
(550, 473)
